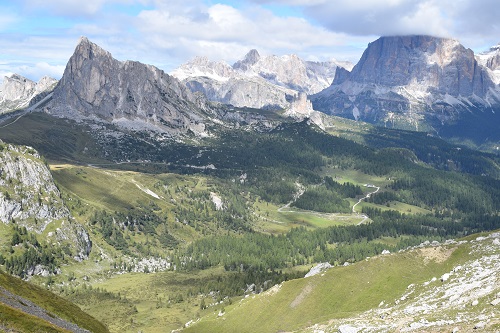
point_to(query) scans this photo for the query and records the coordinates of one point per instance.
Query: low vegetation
(182, 230)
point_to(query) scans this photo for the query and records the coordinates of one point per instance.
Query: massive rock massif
(129, 94)
(269, 82)
(413, 82)
(16, 92)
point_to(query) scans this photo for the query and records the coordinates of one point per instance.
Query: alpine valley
(271, 195)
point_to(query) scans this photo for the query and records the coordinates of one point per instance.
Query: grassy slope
(13, 320)
(339, 293)
(49, 301)
(153, 296)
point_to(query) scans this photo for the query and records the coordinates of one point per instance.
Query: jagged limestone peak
(250, 59)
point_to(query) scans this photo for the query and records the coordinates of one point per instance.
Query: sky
(37, 37)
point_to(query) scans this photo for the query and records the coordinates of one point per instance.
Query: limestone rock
(269, 82)
(411, 82)
(130, 94)
(30, 197)
(347, 329)
(16, 91)
(319, 268)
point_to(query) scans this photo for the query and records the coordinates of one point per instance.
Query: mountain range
(152, 204)
(419, 83)
(269, 82)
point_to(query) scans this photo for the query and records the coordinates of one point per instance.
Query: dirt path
(300, 191)
(365, 197)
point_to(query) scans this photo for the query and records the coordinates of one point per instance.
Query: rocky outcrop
(129, 94)
(16, 92)
(318, 269)
(413, 82)
(29, 198)
(269, 82)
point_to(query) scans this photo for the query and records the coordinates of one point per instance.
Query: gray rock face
(406, 81)
(250, 59)
(269, 82)
(16, 91)
(130, 94)
(29, 196)
(491, 61)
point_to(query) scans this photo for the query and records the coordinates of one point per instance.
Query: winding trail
(301, 189)
(365, 197)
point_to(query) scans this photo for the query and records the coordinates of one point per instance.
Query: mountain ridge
(16, 91)
(269, 82)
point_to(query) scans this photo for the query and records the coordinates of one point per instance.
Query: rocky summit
(129, 94)
(17, 92)
(413, 82)
(269, 82)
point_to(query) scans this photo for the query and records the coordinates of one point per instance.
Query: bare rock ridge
(29, 198)
(256, 81)
(411, 82)
(130, 94)
(16, 91)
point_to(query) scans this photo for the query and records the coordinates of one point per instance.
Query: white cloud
(224, 32)
(41, 69)
(168, 33)
(31, 71)
(474, 22)
(72, 7)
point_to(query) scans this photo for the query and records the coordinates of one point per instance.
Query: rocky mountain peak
(88, 49)
(250, 59)
(130, 94)
(16, 91)
(400, 60)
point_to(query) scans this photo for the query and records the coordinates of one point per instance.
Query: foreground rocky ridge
(465, 299)
(29, 198)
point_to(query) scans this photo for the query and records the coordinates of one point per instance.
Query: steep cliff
(130, 94)
(414, 82)
(29, 198)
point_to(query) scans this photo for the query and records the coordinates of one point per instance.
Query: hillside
(28, 308)
(198, 224)
(435, 287)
